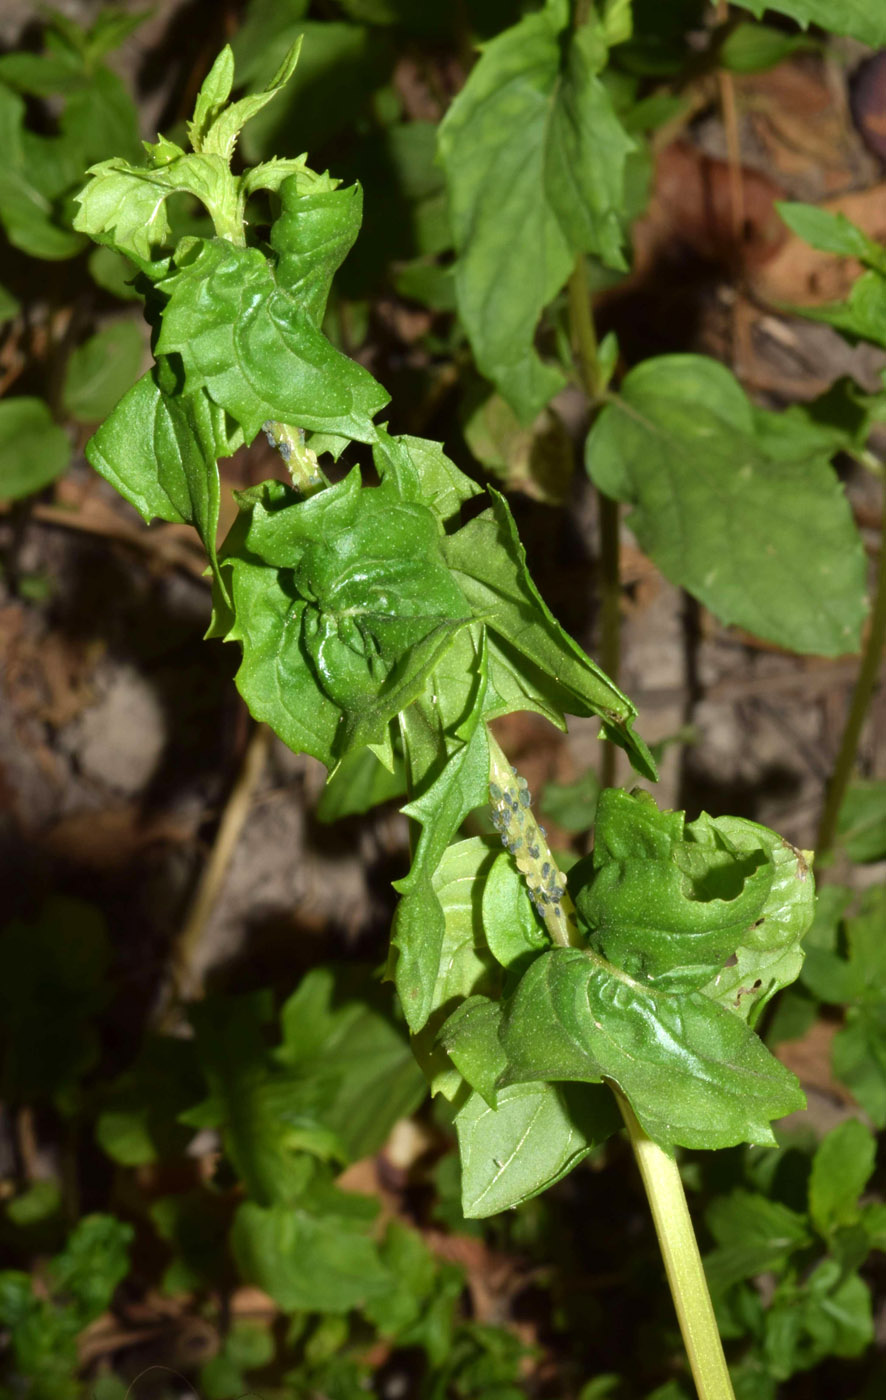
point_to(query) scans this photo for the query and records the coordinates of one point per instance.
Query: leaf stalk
(861, 699)
(584, 339)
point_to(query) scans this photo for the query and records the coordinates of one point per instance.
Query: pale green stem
(528, 845)
(304, 469)
(682, 1261)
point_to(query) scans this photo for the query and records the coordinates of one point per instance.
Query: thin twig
(187, 980)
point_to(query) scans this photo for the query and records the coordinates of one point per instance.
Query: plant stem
(584, 340)
(682, 1261)
(861, 699)
(527, 843)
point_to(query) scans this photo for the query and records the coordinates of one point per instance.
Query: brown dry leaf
(810, 1059)
(691, 205)
(111, 838)
(806, 277)
(802, 127)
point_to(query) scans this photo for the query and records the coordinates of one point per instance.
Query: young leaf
(534, 1136)
(694, 1074)
(732, 507)
(534, 157)
(256, 351)
(33, 449)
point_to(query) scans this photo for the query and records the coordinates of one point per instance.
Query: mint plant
(392, 624)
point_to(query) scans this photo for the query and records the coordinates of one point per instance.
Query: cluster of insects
(525, 839)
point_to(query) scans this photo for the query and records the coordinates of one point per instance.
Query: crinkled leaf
(720, 904)
(535, 1135)
(754, 1235)
(841, 1169)
(694, 1074)
(255, 349)
(339, 1038)
(33, 449)
(356, 608)
(730, 506)
(100, 371)
(534, 157)
(862, 822)
(860, 19)
(315, 1254)
(490, 563)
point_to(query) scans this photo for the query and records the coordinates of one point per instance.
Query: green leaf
(413, 1271)
(315, 1254)
(841, 1168)
(339, 1039)
(33, 449)
(860, 19)
(537, 459)
(342, 631)
(256, 349)
(861, 826)
(93, 1262)
(359, 783)
(216, 129)
(730, 505)
(718, 905)
(535, 1135)
(861, 317)
(828, 1315)
(160, 450)
(534, 157)
(271, 1115)
(514, 932)
(470, 1039)
(754, 1236)
(53, 986)
(572, 805)
(754, 48)
(100, 372)
(113, 272)
(30, 185)
(832, 233)
(858, 1057)
(694, 1073)
(489, 562)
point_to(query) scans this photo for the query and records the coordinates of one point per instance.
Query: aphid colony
(524, 838)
